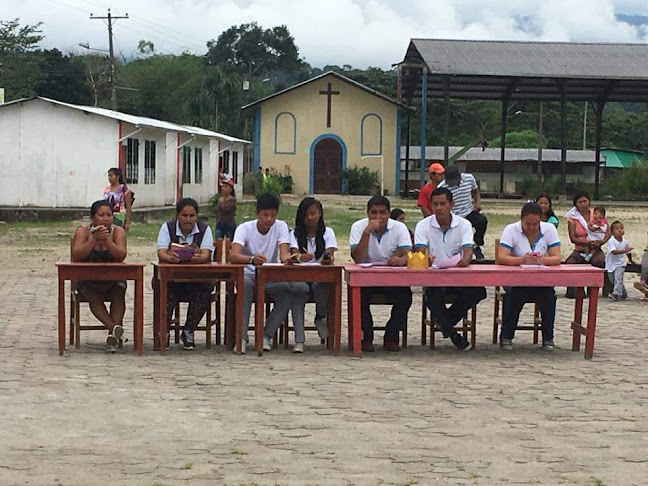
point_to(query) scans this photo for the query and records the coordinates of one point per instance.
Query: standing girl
(120, 198)
(312, 242)
(548, 216)
(226, 210)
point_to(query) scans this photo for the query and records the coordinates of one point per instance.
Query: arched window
(371, 135)
(285, 133)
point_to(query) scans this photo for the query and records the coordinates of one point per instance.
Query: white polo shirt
(612, 262)
(515, 240)
(443, 244)
(381, 248)
(247, 235)
(311, 245)
(164, 239)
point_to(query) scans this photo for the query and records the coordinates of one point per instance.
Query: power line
(110, 19)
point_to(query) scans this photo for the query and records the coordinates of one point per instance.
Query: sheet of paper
(273, 264)
(447, 262)
(307, 263)
(374, 264)
(534, 266)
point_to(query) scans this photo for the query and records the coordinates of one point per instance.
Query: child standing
(615, 260)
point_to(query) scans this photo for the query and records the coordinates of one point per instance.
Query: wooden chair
(76, 299)
(468, 326)
(379, 299)
(500, 299)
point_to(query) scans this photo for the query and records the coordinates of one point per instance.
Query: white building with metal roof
(56, 154)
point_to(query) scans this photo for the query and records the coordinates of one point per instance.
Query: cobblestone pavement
(417, 417)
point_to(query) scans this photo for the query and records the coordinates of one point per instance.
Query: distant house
(56, 154)
(520, 164)
(319, 128)
(621, 158)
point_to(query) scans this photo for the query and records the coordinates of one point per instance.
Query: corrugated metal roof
(621, 159)
(534, 59)
(435, 153)
(136, 120)
(537, 71)
(329, 73)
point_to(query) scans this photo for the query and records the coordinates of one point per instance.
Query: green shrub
(271, 185)
(531, 186)
(361, 181)
(628, 184)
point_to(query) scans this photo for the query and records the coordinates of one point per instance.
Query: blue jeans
(224, 230)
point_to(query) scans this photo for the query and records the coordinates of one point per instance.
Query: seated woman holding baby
(185, 239)
(102, 241)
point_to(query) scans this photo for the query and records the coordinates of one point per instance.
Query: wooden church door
(327, 167)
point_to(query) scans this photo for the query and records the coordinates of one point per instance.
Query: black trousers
(401, 300)
(464, 299)
(516, 297)
(480, 223)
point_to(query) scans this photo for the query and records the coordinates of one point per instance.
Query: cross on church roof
(328, 94)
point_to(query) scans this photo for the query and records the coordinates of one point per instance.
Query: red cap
(227, 181)
(436, 168)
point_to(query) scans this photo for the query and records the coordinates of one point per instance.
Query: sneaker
(267, 346)
(613, 297)
(548, 345)
(118, 331)
(460, 342)
(187, 338)
(111, 340)
(367, 346)
(506, 344)
(322, 328)
(111, 349)
(391, 345)
(478, 253)
(298, 348)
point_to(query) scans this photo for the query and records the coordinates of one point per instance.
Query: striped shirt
(462, 194)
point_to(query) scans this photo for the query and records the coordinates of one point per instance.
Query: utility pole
(111, 18)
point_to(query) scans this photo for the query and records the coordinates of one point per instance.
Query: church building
(317, 129)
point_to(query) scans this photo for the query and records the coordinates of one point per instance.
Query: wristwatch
(251, 259)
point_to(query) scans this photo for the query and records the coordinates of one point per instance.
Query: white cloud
(356, 32)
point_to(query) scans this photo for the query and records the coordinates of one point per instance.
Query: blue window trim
(397, 167)
(256, 139)
(294, 137)
(311, 162)
(380, 132)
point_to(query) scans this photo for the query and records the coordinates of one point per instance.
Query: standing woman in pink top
(120, 198)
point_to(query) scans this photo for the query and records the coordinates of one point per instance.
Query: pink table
(578, 276)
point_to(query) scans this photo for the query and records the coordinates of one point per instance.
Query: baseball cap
(436, 168)
(452, 176)
(227, 179)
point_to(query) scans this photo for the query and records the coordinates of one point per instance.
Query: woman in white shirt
(312, 242)
(529, 242)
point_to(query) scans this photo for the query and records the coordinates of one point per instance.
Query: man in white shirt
(529, 242)
(467, 203)
(265, 240)
(379, 239)
(444, 235)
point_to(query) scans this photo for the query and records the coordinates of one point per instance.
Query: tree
(62, 78)
(146, 48)
(521, 139)
(254, 52)
(19, 63)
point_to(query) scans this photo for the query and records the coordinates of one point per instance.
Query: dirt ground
(420, 416)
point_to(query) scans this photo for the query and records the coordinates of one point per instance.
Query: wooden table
(102, 271)
(331, 274)
(163, 273)
(578, 276)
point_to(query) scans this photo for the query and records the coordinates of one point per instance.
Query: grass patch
(187, 465)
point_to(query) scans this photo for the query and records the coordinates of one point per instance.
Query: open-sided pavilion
(508, 71)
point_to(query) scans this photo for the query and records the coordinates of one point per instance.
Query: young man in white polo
(445, 235)
(467, 203)
(377, 238)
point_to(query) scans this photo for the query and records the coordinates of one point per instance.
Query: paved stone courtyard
(417, 417)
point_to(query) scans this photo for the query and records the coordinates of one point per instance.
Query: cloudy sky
(357, 32)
